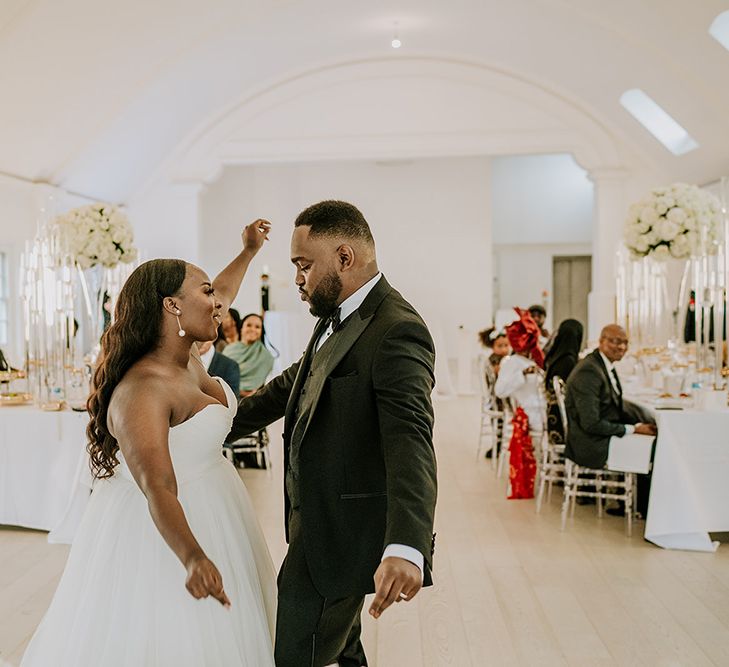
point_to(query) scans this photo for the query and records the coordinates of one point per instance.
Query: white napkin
(631, 453)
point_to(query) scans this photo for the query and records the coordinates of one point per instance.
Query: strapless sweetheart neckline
(200, 411)
(209, 405)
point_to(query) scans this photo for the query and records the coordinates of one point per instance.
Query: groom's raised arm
(264, 406)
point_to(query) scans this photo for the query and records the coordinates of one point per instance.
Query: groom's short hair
(335, 219)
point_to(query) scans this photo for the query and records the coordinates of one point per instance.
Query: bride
(169, 566)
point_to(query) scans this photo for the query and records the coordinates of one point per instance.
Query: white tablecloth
(690, 486)
(44, 478)
(631, 453)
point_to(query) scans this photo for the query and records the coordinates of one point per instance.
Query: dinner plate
(13, 398)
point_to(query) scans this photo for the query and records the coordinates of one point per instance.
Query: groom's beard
(323, 299)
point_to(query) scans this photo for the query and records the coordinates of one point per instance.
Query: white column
(608, 217)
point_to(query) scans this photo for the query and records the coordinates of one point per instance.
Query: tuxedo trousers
(311, 630)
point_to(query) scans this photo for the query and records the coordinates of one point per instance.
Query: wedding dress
(122, 600)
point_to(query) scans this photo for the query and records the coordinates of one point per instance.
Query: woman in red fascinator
(520, 380)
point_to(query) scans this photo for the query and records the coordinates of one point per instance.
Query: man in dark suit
(595, 407)
(360, 469)
(218, 365)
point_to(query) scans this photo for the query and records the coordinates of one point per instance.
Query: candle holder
(63, 305)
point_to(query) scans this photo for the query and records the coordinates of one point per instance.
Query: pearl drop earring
(181, 331)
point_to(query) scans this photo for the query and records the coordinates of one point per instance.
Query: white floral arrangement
(674, 221)
(97, 234)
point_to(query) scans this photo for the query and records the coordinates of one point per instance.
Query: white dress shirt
(346, 308)
(612, 372)
(207, 358)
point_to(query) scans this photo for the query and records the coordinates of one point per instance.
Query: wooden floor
(511, 589)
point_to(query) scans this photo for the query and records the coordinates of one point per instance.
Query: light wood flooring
(511, 589)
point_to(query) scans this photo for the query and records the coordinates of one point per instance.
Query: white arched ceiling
(396, 108)
(96, 96)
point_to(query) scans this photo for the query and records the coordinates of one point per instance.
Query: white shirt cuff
(406, 552)
(629, 429)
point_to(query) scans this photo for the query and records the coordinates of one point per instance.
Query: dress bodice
(196, 443)
(122, 600)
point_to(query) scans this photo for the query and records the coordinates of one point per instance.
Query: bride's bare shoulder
(142, 394)
(144, 381)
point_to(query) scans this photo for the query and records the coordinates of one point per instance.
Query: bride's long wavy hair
(134, 333)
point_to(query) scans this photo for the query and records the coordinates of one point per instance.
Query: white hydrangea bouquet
(97, 234)
(674, 221)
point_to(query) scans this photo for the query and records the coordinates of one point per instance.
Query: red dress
(522, 465)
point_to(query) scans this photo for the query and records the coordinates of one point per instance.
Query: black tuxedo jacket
(367, 466)
(595, 412)
(222, 366)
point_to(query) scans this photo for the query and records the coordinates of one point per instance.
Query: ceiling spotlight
(396, 43)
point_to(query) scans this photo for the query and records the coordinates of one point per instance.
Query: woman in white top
(520, 379)
(520, 374)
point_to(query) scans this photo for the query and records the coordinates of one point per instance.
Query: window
(719, 29)
(657, 121)
(4, 305)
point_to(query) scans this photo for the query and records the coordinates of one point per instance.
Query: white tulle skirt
(122, 599)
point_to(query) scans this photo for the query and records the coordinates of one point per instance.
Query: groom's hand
(395, 579)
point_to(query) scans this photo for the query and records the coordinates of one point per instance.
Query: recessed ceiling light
(658, 122)
(395, 43)
(719, 29)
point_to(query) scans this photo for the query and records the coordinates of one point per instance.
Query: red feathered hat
(523, 337)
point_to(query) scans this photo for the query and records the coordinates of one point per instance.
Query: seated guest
(497, 344)
(560, 362)
(497, 348)
(539, 315)
(254, 359)
(229, 329)
(595, 408)
(519, 374)
(219, 365)
(520, 380)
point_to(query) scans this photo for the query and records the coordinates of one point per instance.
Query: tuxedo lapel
(303, 370)
(335, 349)
(615, 396)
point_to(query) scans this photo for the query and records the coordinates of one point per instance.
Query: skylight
(654, 119)
(719, 29)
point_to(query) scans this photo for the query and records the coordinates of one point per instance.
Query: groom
(360, 472)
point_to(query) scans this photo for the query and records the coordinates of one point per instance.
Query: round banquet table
(690, 484)
(44, 476)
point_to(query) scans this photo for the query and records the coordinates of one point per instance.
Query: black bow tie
(335, 319)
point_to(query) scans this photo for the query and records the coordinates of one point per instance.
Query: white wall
(541, 199)
(430, 219)
(165, 221)
(542, 207)
(525, 270)
(17, 222)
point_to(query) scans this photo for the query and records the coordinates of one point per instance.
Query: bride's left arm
(227, 283)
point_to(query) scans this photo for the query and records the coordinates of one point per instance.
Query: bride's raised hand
(255, 234)
(203, 579)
